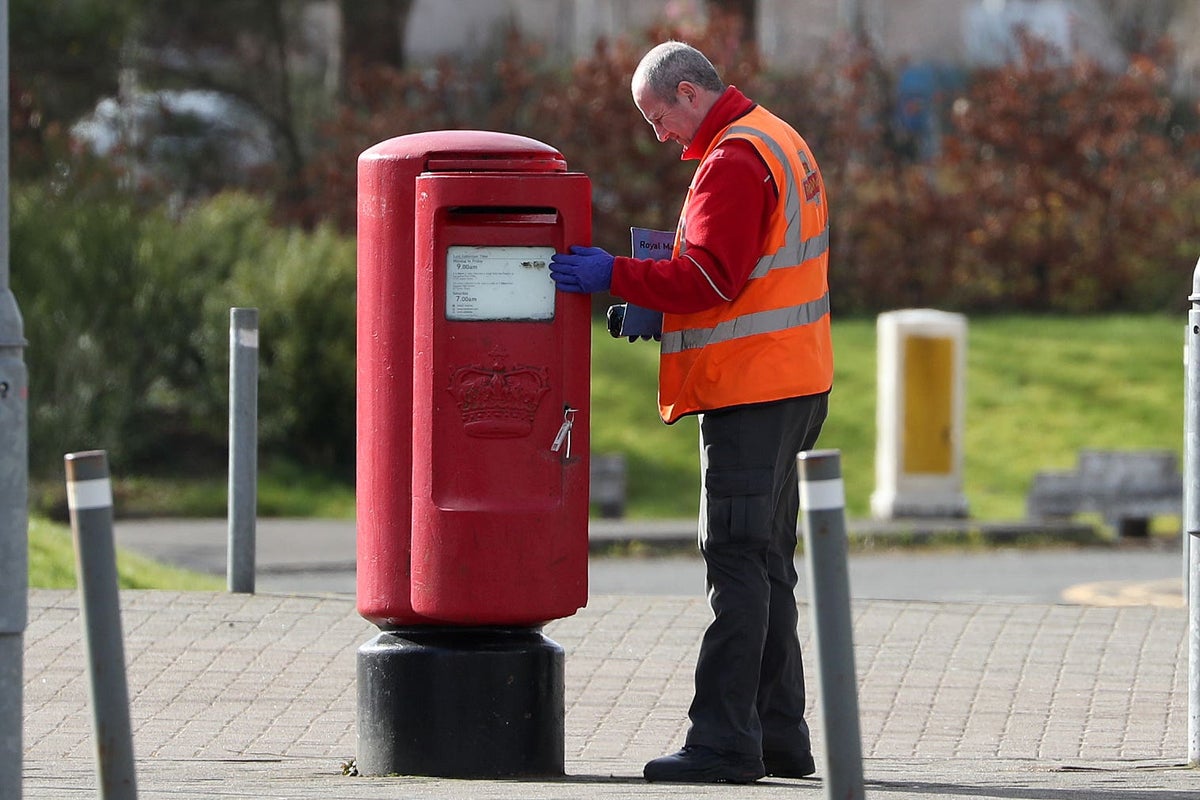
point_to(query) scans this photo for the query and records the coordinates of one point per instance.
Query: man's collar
(729, 106)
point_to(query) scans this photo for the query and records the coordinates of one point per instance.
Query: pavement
(253, 696)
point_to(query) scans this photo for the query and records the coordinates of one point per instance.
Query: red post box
(473, 417)
(500, 401)
(455, 232)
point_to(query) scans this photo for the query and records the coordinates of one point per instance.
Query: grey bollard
(1191, 515)
(89, 500)
(14, 478)
(823, 516)
(14, 544)
(243, 448)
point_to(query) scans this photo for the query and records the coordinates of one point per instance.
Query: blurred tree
(1141, 25)
(256, 61)
(1076, 187)
(742, 13)
(62, 57)
(283, 60)
(373, 32)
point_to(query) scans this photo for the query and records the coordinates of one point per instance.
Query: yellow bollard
(920, 414)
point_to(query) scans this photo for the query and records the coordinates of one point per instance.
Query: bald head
(667, 65)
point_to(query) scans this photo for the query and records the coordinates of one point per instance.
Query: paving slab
(253, 696)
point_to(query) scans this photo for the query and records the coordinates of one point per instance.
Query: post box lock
(564, 432)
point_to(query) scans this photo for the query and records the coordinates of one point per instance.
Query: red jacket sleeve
(727, 218)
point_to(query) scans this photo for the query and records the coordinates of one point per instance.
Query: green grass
(660, 460)
(1038, 390)
(52, 565)
(284, 490)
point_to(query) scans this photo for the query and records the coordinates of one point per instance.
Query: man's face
(672, 122)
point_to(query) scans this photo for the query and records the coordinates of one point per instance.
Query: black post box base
(461, 703)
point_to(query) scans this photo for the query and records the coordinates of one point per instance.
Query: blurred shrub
(303, 284)
(1063, 189)
(1055, 188)
(74, 277)
(126, 310)
(583, 110)
(1072, 192)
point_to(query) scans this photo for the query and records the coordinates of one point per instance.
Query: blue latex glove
(616, 318)
(584, 270)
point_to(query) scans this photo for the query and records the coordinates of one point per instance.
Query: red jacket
(727, 218)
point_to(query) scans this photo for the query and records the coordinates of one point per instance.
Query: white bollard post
(823, 512)
(1191, 515)
(243, 448)
(89, 501)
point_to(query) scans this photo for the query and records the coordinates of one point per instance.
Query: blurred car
(197, 140)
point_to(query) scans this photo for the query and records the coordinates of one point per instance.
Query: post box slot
(493, 215)
(449, 162)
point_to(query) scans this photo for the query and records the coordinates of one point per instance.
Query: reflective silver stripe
(89, 494)
(794, 250)
(773, 321)
(711, 285)
(790, 254)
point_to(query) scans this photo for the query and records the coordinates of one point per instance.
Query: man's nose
(661, 133)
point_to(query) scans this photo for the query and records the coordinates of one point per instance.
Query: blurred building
(794, 33)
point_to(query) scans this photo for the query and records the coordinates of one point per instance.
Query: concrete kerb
(608, 534)
(329, 545)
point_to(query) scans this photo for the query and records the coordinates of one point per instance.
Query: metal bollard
(243, 448)
(1191, 515)
(822, 511)
(14, 478)
(89, 500)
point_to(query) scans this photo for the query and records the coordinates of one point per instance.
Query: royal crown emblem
(498, 401)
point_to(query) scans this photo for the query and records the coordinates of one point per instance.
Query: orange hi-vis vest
(772, 341)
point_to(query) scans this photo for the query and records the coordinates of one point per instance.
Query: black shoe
(788, 765)
(699, 764)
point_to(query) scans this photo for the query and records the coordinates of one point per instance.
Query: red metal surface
(388, 242)
(499, 529)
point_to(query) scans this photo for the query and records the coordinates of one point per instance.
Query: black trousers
(749, 676)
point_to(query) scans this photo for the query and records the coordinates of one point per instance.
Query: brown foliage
(1080, 195)
(1056, 188)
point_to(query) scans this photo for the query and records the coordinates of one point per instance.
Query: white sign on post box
(499, 283)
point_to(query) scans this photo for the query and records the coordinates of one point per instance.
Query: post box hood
(470, 151)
